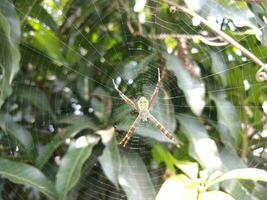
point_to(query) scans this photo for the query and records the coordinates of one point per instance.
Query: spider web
(140, 78)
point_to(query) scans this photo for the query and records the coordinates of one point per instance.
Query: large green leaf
(192, 86)
(228, 123)
(176, 187)
(71, 165)
(110, 159)
(21, 173)
(79, 123)
(232, 161)
(244, 174)
(134, 178)
(16, 131)
(9, 53)
(201, 147)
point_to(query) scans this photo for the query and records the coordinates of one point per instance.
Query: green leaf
(47, 42)
(18, 132)
(176, 187)
(25, 174)
(35, 96)
(237, 11)
(236, 188)
(212, 195)
(228, 122)
(259, 10)
(71, 165)
(201, 147)
(244, 174)
(110, 159)
(192, 86)
(9, 52)
(161, 155)
(219, 66)
(78, 122)
(134, 178)
(35, 10)
(189, 168)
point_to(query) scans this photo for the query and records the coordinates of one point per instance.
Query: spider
(143, 107)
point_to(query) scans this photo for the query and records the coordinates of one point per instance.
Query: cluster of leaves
(59, 108)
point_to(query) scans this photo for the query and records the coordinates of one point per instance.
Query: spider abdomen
(144, 115)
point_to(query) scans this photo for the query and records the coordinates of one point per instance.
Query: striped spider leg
(155, 93)
(131, 130)
(125, 98)
(161, 127)
(143, 107)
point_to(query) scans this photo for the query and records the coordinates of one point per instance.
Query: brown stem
(184, 55)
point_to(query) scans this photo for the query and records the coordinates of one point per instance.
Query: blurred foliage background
(61, 118)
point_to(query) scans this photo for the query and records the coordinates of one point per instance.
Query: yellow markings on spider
(143, 107)
(143, 104)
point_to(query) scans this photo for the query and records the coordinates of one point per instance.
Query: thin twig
(206, 40)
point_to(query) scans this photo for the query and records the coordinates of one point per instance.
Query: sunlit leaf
(71, 165)
(244, 174)
(232, 161)
(189, 168)
(212, 195)
(134, 178)
(193, 87)
(36, 11)
(47, 42)
(110, 159)
(21, 173)
(176, 187)
(202, 148)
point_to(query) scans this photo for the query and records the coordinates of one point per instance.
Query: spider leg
(125, 98)
(156, 91)
(130, 132)
(161, 127)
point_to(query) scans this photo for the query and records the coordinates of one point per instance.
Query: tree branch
(227, 38)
